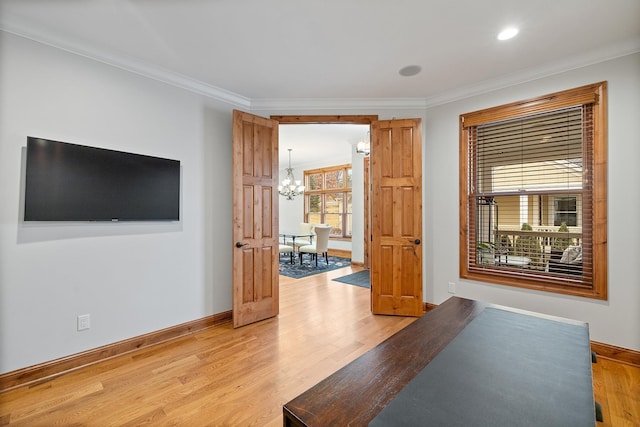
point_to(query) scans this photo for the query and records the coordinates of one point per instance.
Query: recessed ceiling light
(410, 70)
(508, 33)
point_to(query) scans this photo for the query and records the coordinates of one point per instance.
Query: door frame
(353, 120)
(367, 212)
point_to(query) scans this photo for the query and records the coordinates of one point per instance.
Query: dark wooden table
(355, 395)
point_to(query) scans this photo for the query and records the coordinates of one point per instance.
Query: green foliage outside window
(562, 243)
(528, 246)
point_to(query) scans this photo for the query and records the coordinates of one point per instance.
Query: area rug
(308, 267)
(361, 278)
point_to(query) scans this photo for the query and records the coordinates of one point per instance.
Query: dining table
(294, 236)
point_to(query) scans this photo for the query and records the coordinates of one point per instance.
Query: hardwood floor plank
(37, 408)
(617, 388)
(243, 377)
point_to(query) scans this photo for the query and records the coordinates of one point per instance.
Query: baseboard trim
(619, 354)
(339, 253)
(357, 264)
(51, 369)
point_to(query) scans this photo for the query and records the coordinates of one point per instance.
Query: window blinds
(533, 155)
(530, 198)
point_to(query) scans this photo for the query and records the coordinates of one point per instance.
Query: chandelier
(364, 146)
(290, 187)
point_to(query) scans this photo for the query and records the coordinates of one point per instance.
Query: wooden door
(255, 218)
(396, 208)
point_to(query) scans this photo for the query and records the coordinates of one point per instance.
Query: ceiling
(257, 53)
(250, 51)
(314, 144)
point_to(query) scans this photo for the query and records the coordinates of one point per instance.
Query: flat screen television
(70, 182)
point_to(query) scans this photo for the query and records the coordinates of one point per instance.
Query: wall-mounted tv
(70, 182)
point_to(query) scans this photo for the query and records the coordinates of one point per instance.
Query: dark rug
(308, 267)
(361, 278)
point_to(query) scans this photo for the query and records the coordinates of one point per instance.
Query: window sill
(568, 287)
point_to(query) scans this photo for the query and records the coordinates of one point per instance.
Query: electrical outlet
(452, 288)
(84, 322)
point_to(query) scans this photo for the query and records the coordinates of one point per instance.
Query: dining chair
(305, 229)
(284, 249)
(320, 244)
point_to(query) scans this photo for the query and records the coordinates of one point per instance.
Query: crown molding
(135, 66)
(155, 72)
(332, 104)
(531, 74)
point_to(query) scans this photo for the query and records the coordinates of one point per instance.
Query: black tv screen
(70, 182)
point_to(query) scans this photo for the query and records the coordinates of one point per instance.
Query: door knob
(240, 244)
(417, 241)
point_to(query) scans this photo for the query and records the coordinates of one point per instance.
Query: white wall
(616, 321)
(357, 207)
(131, 278)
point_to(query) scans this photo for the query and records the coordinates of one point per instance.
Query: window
(533, 193)
(565, 211)
(328, 198)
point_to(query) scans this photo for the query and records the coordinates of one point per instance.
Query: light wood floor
(242, 377)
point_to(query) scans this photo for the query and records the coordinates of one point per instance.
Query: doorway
(346, 131)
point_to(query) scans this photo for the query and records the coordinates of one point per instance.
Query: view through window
(328, 198)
